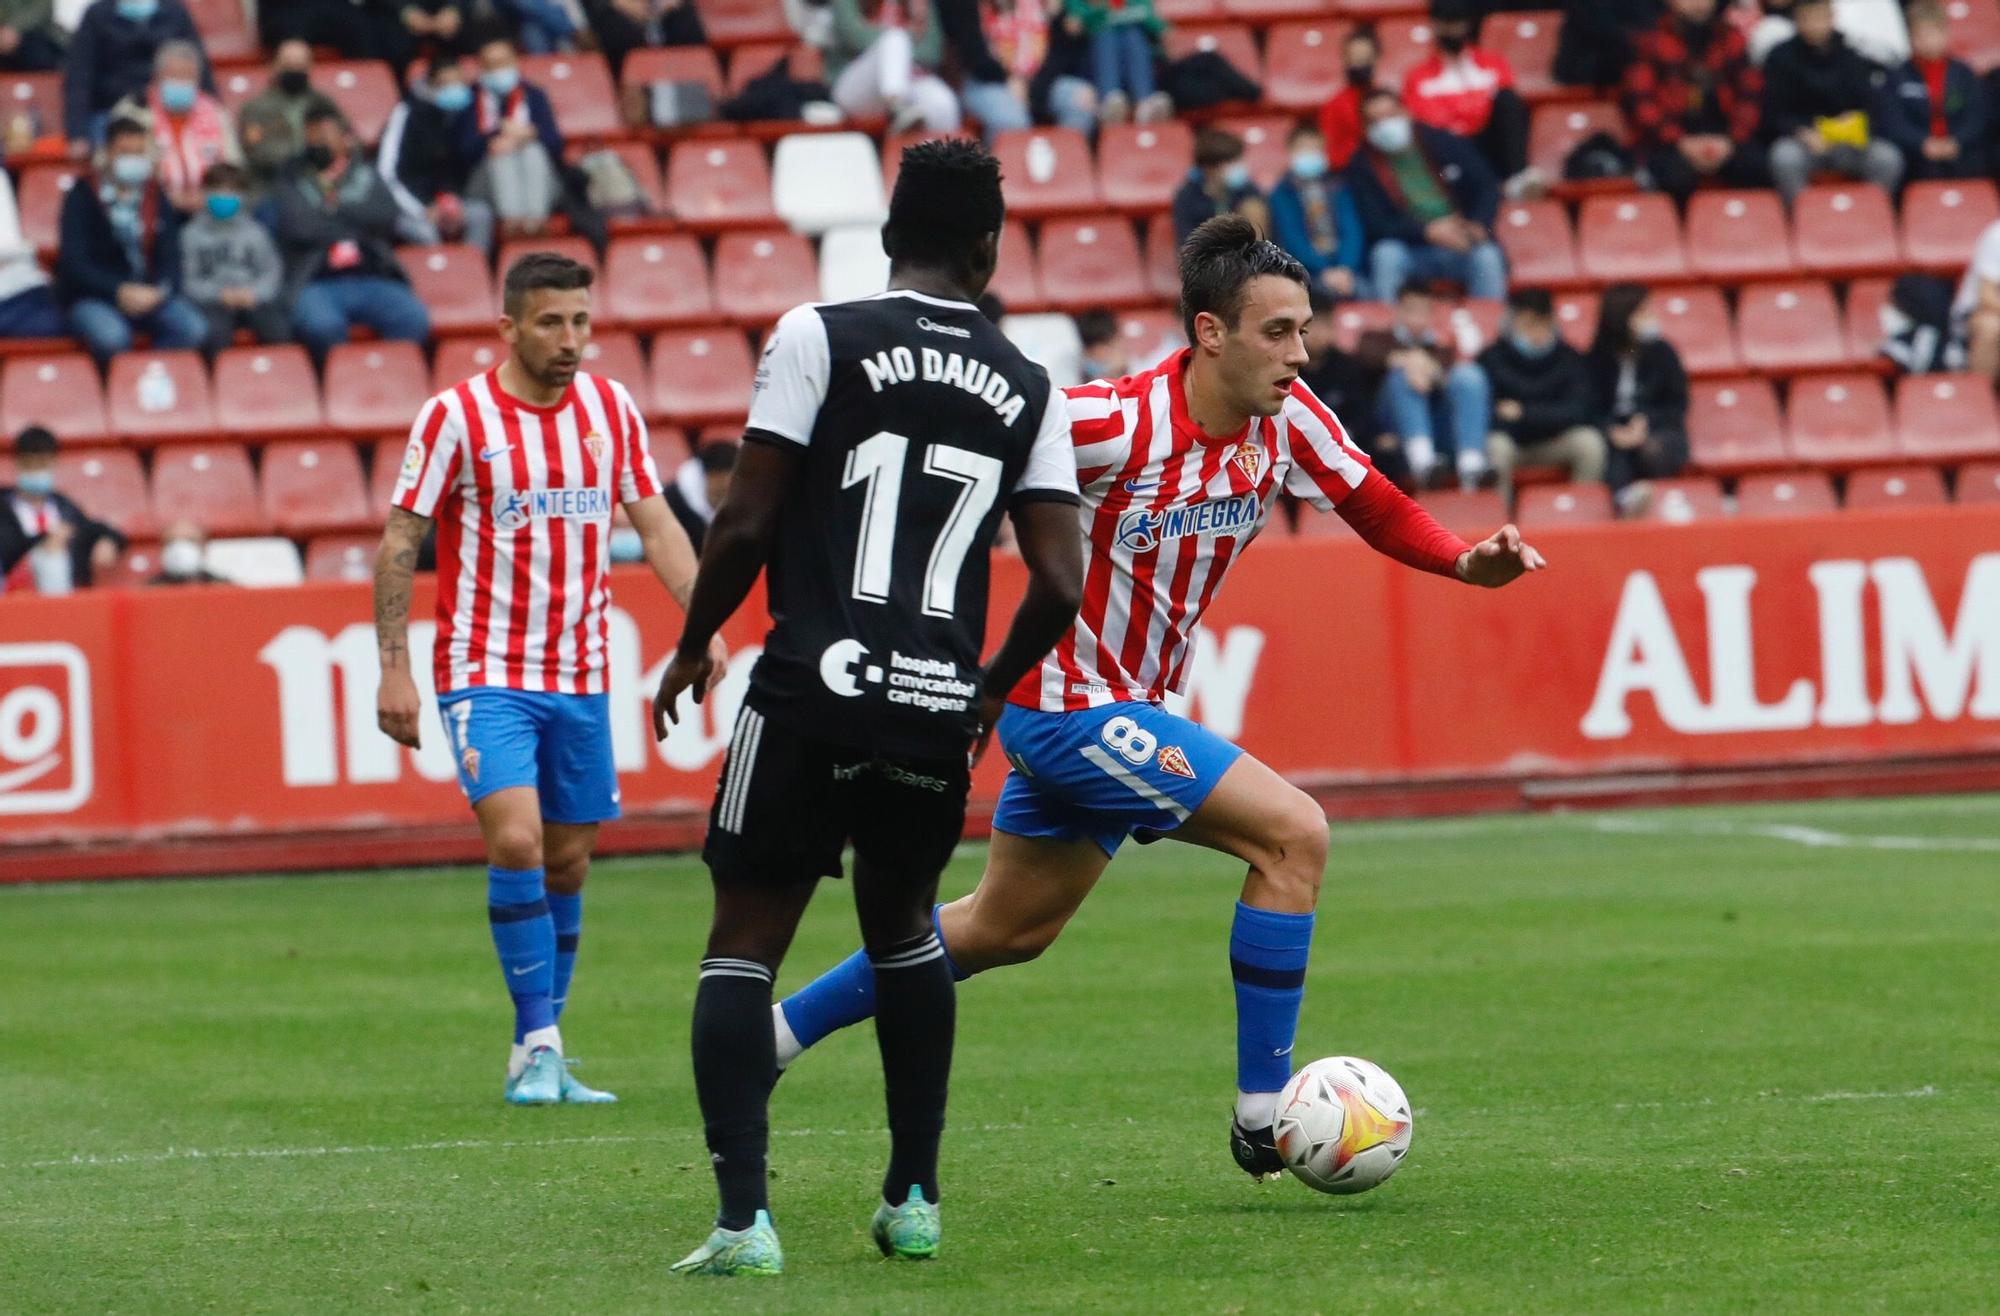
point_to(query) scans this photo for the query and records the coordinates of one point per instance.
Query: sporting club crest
(1250, 460)
(596, 445)
(469, 761)
(1174, 759)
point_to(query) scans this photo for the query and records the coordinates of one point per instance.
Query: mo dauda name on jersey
(931, 684)
(899, 365)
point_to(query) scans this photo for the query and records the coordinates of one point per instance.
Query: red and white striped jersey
(522, 496)
(1167, 510)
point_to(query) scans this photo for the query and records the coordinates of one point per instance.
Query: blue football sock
(1267, 958)
(567, 911)
(525, 936)
(844, 995)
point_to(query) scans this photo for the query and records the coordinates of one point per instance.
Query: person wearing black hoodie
(1596, 41)
(419, 160)
(1542, 409)
(1639, 386)
(1818, 91)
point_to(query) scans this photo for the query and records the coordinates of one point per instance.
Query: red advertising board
(137, 715)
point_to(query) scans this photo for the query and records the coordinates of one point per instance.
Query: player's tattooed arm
(396, 702)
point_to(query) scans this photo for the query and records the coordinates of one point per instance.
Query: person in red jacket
(1340, 118)
(1694, 101)
(1466, 89)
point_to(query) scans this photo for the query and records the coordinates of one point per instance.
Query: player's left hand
(1500, 560)
(683, 673)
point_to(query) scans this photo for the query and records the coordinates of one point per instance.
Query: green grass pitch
(1708, 1060)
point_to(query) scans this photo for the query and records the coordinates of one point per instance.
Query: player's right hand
(683, 673)
(990, 708)
(397, 707)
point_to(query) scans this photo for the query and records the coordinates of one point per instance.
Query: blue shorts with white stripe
(1127, 769)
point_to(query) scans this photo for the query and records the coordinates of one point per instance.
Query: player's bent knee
(518, 847)
(1299, 848)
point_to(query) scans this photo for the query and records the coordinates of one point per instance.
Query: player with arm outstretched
(520, 467)
(886, 437)
(1179, 468)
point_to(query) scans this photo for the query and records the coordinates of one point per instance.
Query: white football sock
(1256, 1110)
(788, 1042)
(548, 1037)
(517, 1060)
(1471, 465)
(1422, 453)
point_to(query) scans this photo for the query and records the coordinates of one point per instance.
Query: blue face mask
(626, 546)
(39, 483)
(1529, 348)
(138, 10)
(501, 82)
(131, 170)
(1236, 176)
(452, 97)
(225, 205)
(1309, 164)
(177, 96)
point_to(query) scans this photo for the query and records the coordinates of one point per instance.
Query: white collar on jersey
(922, 297)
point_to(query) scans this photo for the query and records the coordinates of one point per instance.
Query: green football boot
(752, 1251)
(911, 1230)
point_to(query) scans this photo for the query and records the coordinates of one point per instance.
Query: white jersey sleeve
(792, 377)
(638, 477)
(1050, 475)
(432, 462)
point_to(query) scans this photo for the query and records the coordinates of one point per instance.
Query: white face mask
(180, 558)
(1391, 136)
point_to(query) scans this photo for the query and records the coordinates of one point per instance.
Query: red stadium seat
(1695, 320)
(375, 388)
(1233, 41)
(655, 281)
(35, 95)
(1406, 42)
(736, 22)
(1979, 483)
(1564, 504)
(1541, 250)
(1189, 11)
(1091, 262)
(1787, 328)
(1141, 166)
(580, 92)
(60, 391)
(111, 486)
(645, 166)
(615, 354)
(334, 558)
(1471, 515)
(210, 484)
(1557, 130)
(1840, 421)
(577, 249)
(1470, 322)
(1528, 41)
(267, 392)
(1844, 230)
(720, 183)
(701, 376)
(313, 486)
(459, 359)
(1576, 318)
(38, 194)
(1048, 171)
(145, 411)
(1015, 282)
(1264, 147)
(385, 467)
(225, 34)
(365, 91)
(1896, 486)
(1863, 314)
(1264, 11)
(669, 447)
(1163, 267)
(1943, 220)
(1353, 319)
(1947, 417)
(1678, 502)
(136, 568)
(1734, 236)
(760, 276)
(1975, 32)
(1379, 8)
(455, 285)
(1803, 493)
(1734, 426)
(1302, 67)
(1634, 237)
(650, 64)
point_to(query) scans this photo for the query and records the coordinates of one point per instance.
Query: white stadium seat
(1051, 342)
(256, 562)
(824, 180)
(852, 263)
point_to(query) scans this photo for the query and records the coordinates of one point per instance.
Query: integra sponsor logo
(516, 507)
(1142, 528)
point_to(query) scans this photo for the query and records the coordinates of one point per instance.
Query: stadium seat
(35, 96)
(1541, 250)
(1163, 266)
(375, 388)
(719, 183)
(580, 92)
(1563, 504)
(1576, 318)
(1141, 166)
(455, 285)
(1379, 8)
(577, 249)
(1353, 319)
(39, 195)
(1975, 32)
(225, 33)
(1472, 324)
(334, 558)
(1091, 262)
(1845, 230)
(364, 89)
(760, 276)
(1840, 421)
(615, 354)
(822, 180)
(1233, 41)
(136, 567)
(1051, 342)
(1189, 11)
(314, 486)
(1472, 515)
(1695, 319)
(267, 392)
(1303, 69)
(669, 447)
(1946, 418)
(1802, 493)
(1048, 171)
(1678, 502)
(1528, 41)
(385, 467)
(1265, 11)
(1015, 283)
(1150, 335)
(737, 22)
(1263, 145)
(210, 484)
(459, 359)
(701, 376)
(1734, 426)
(852, 263)
(1894, 487)
(110, 485)
(1943, 220)
(1557, 130)
(655, 280)
(143, 410)
(1735, 236)
(639, 157)
(60, 391)
(262, 562)
(650, 64)
(1863, 316)
(1789, 328)
(1406, 42)
(1979, 483)
(1635, 237)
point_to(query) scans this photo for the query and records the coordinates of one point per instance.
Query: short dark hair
(1096, 325)
(1381, 93)
(1218, 261)
(1303, 128)
(1214, 146)
(539, 270)
(322, 113)
(1531, 301)
(35, 441)
(1362, 32)
(947, 201)
(125, 126)
(717, 457)
(223, 175)
(1454, 11)
(1416, 288)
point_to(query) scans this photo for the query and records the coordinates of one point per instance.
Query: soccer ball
(1343, 1125)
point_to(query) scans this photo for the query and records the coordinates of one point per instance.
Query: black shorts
(788, 805)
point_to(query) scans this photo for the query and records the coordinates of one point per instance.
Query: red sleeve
(1390, 522)
(1340, 125)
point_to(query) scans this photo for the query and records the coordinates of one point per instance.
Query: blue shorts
(559, 744)
(1128, 769)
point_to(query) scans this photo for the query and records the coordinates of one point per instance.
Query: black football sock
(915, 1013)
(734, 1055)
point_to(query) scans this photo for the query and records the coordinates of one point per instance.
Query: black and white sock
(734, 1057)
(915, 1014)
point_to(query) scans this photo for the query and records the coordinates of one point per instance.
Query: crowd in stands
(203, 219)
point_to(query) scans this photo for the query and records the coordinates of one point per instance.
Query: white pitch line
(1794, 834)
(1909, 1094)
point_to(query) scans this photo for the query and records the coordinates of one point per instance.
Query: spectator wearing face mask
(184, 557)
(1313, 217)
(230, 266)
(118, 259)
(1467, 89)
(510, 142)
(1340, 118)
(1340, 380)
(111, 58)
(419, 159)
(191, 130)
(47, 543)
(1637, 384)
(1427, 203)
(1431, 406)
(272, 123)
(1542, 409)
(1934, 107)
(1817, 94)
(699, 487)
(31, 41)
(1219, 184)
